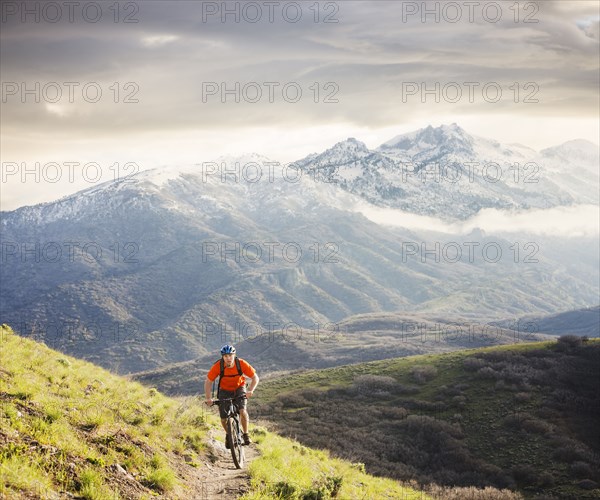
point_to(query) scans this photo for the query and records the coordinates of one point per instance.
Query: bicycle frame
(233, 429)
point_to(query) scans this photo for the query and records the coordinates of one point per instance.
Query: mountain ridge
(439, 162)
(128, 274)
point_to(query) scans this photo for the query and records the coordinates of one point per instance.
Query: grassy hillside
(71, 429)
(521, 417)
(68, 426)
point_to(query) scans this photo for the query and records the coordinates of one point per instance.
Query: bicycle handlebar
(217, 401)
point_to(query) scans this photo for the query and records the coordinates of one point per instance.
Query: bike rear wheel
(235, 439)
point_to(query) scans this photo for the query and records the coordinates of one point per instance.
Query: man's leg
(245, 419)
(224, 395)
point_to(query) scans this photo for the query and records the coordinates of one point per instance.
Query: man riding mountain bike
(231, 371)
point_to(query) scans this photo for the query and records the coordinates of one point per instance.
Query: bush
(422, 374)
(459, 400)
(294, 400)
(284, 490)
(525, 475)
(472, 493)
(405, 389)
(581, 470)
(587, 484)
(536, 426)
(162, 480)
(567, 342)
(91, 485)
(521, 397)
(359, 466)
(546, 480)
(489, 373)
(569, 454)
(311, 394)
(369, 384)
(327, 487)
(473, 364)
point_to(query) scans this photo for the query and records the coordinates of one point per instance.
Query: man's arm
(207, 387)
(253, 383)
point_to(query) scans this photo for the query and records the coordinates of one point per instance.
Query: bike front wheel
(235, 439)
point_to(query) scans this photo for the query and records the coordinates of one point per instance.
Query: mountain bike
(234, 429)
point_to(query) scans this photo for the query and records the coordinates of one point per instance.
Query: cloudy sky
(161, 83)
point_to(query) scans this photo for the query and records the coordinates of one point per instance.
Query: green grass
(286, 469)
(65, 425)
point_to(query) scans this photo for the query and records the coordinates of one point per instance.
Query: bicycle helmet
(227, 349)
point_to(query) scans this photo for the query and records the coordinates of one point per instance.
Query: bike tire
(235, 439)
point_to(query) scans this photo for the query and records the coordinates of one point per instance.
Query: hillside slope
(359, 338)
(584, 322)
(69, 429)
(522, 417)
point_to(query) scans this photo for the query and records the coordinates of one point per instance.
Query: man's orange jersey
(231, 381)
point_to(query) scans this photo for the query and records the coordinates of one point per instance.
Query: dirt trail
(218, 477)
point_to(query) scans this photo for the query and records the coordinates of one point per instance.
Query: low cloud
(567, 221)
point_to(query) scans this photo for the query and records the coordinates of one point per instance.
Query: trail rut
(217, 477)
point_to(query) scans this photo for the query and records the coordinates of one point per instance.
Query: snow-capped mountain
(446, 172)
(131, 273)
(431, 142)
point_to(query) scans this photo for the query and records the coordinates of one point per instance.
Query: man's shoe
(246, 438)
(227, 444)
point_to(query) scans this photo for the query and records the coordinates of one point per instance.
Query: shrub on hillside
(293, 400)
(587, 484)
(374, 385)
(570, 453)
(536, 426)
(568, 342)
(423, 374)
(521, 397)
(581, 470)
(473, 364)
(394, 414)
(471, 493)
(488, 372)
(525, 475)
